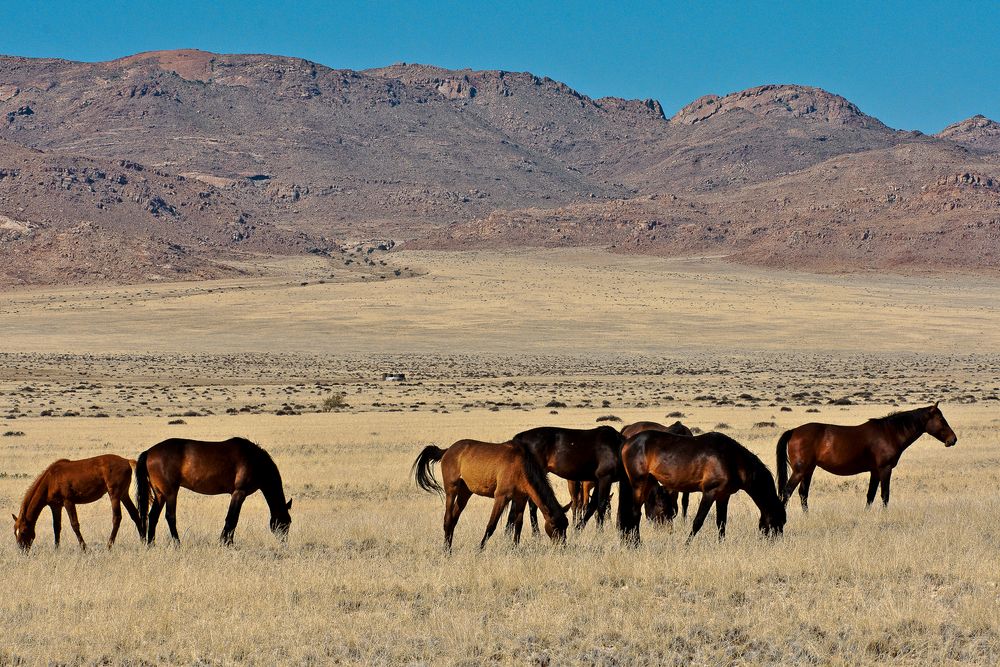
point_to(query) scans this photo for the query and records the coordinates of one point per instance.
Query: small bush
(334, 402)
(555, 404)
(609, 418)
(765, 425)
(13, 434)
(676, 415)
(722, 426)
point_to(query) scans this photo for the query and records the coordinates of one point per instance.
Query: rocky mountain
(163, 164)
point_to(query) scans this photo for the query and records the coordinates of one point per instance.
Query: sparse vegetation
(334, 401)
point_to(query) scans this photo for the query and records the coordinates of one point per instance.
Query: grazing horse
(502, 471)
(873, 447)
(578, 455)
(712, 463)
(235, 466)
(67, 484)
(661, 505)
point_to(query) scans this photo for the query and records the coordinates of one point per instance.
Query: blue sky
(915, 65)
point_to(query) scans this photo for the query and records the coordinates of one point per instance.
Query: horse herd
(651, 463)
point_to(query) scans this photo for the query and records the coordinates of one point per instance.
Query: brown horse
(873, 447)
(579, 455)
(661, 505)
(67, 484)
(712, 463)
(235, 466)
(502, 471)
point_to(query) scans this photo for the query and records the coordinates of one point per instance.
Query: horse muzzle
(951, 442)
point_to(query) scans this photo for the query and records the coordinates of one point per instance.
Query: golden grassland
(487, 340)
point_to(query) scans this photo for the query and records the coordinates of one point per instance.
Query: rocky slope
(231, 154)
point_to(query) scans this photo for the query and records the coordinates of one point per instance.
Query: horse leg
(685, 499)
(721, 513)
(75, 523)
(517, 510)
(699, 518)
(232, 517)
(154, 517)
(170, 505)
(498, 506)
(599, 501)
(804, 489)
(872, 488)
(56, 521)
(885, 475)
(116, 520)
(533, 516)
(453, 510)
(793, 481)
(133, 513)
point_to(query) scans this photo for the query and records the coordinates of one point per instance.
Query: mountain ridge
(317, 156)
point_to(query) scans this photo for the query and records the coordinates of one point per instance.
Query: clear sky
(915, 65)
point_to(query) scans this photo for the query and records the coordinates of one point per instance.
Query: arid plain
(492, 343)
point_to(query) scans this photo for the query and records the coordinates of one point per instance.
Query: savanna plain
(492, 343)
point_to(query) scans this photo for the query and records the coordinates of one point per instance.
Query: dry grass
(363, 578)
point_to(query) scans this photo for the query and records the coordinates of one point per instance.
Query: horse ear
(12, 516)
(289, 505)
(936, 403)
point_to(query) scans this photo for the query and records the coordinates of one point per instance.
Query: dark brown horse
(66, 484)
(873, 447)
(235, 466)
(661, 505)
(502, 471)
(712, 463)
(578, 455)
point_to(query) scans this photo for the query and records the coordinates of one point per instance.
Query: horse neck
(274, 493)
(914, 427)
(760, 489)
(35, 499)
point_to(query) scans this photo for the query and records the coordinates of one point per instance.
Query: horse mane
(900, 418)
(538, 479)
(759, 476)
(262, 458)
(33, 489)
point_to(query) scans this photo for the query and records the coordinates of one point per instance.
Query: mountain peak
(975, 132)
(779, 100)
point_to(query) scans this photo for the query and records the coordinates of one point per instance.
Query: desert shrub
(334, 402)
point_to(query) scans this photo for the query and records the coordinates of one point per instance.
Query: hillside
(233, 154)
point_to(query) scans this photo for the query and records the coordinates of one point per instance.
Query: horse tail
(142, 493)
(782, 463)
(421, 470)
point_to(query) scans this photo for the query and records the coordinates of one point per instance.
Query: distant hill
(243, 155)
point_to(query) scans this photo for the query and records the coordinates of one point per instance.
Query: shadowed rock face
(281, 155)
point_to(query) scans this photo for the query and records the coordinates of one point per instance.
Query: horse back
(482, 466)
(202, 466)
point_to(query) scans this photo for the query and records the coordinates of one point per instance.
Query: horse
(873, 447)
(712, 463)
(661, 505)
(235, 466)
(66, 484)
(502, 471)
(579, 455)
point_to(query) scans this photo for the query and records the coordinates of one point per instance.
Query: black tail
(421, 470)
(142, 494)
(627, 515)
(782, 462)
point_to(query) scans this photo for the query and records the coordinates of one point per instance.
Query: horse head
(281, 520)
(938, 427)
(24, 533)
(555, 527)
(772, 521)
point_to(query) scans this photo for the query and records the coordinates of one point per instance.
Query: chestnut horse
(661, 505)
(712, 463)
(873, 447)
(502, 471)
(235, 466)
(67, 484)
(578, 455)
